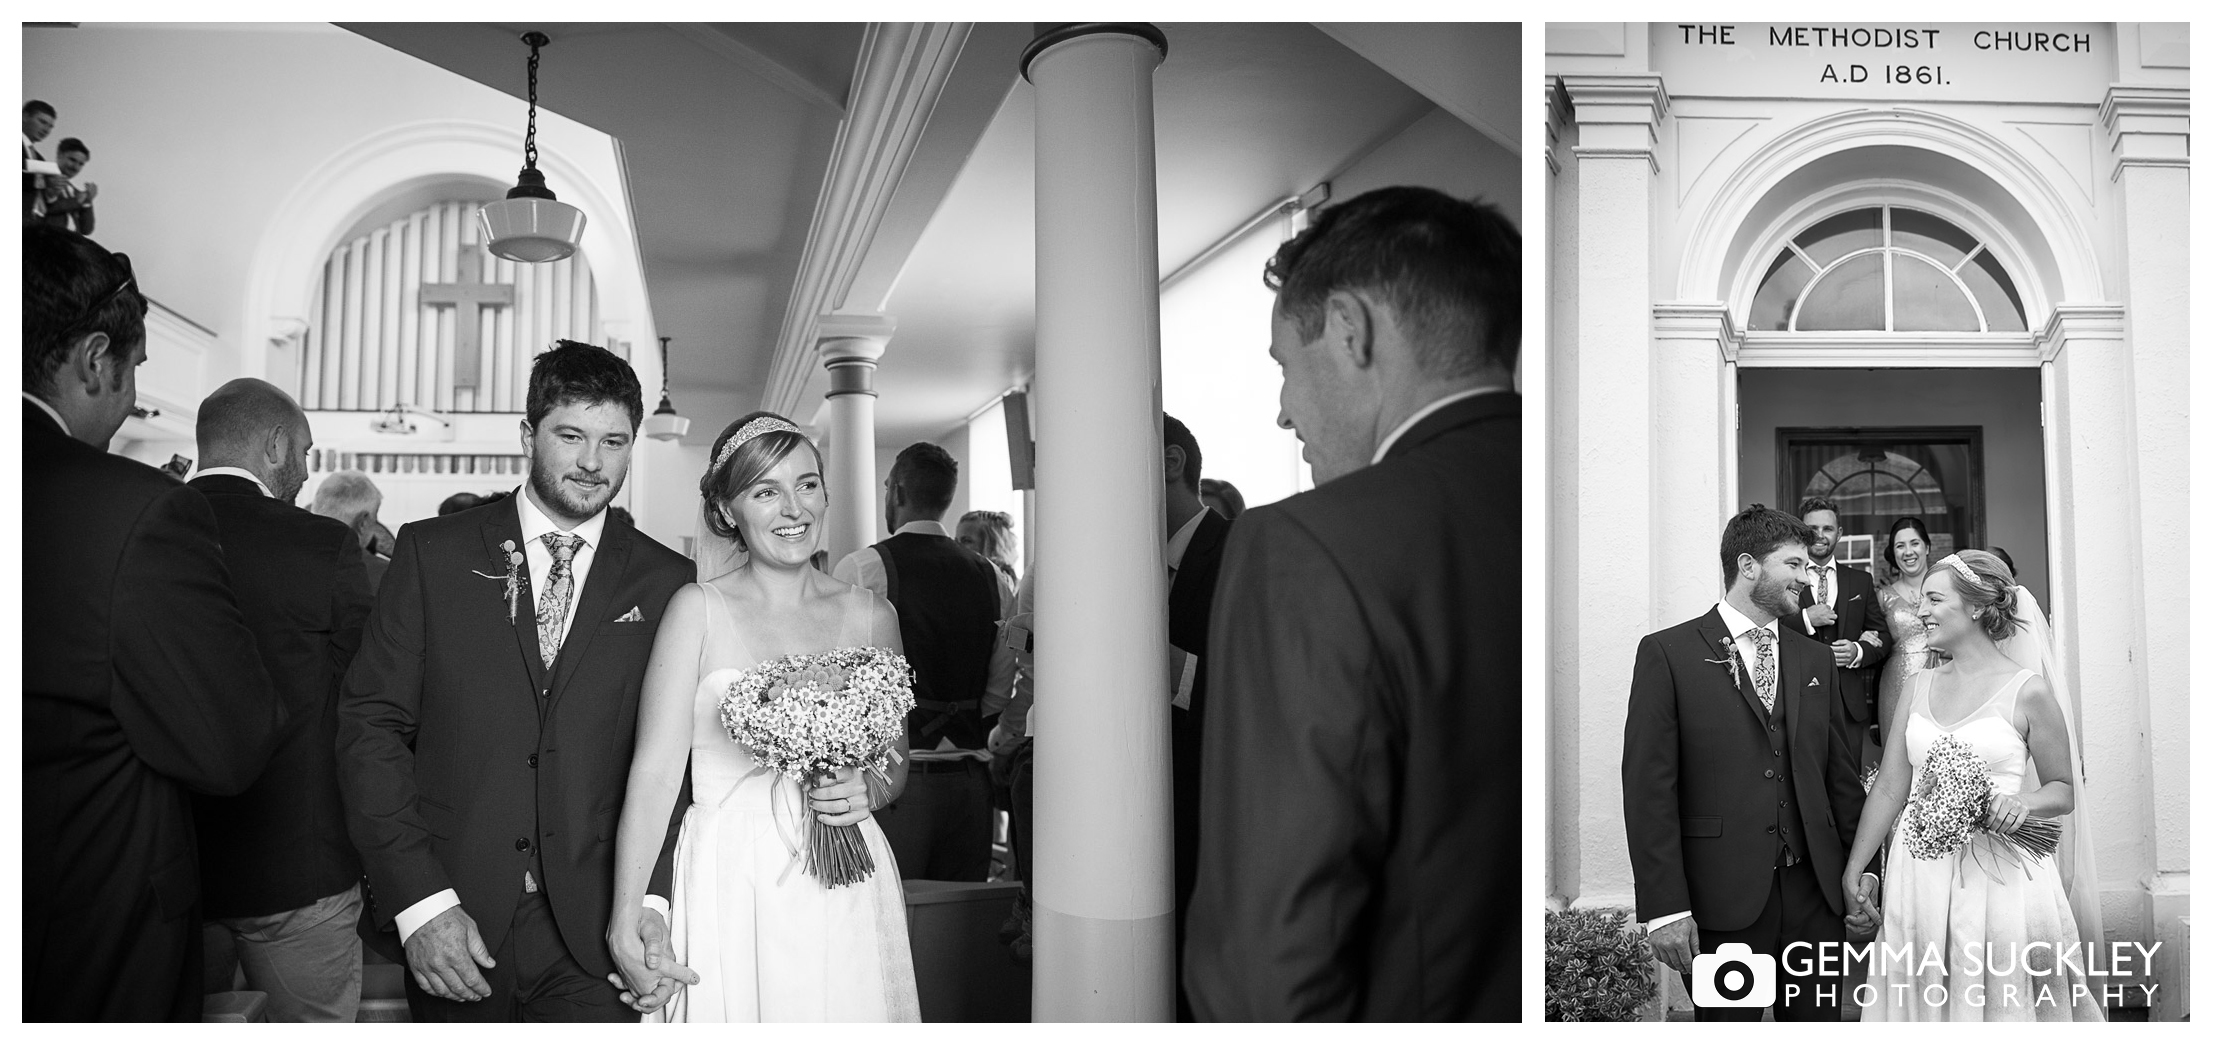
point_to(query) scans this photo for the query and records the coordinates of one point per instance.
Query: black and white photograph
(948, 522)
(1867, 415)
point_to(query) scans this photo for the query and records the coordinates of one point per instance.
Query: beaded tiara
(1960, 565)
(750, 430)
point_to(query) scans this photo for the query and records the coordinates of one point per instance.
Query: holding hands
(647, 972)
(1861, 914)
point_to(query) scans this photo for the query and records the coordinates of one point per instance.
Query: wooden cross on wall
(466, 290)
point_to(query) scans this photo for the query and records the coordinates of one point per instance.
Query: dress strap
(2009, 697)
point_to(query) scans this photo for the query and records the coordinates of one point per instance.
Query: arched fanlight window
(1887, 269)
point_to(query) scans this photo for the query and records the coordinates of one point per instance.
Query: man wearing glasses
(141, 681)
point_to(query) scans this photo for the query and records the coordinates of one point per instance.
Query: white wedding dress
(769, 941)
(1965, 924)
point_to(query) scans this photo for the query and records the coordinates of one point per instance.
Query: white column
(1104, 904)
(2101, 626)
(849, 347)
(2147, 128)
(1694, 439)
(1615, 463)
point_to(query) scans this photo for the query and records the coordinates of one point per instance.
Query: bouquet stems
(838, 855)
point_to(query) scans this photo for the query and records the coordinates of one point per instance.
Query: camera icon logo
(1733, 977)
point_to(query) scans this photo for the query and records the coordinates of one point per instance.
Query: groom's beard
(553, 491)
(1776, 595)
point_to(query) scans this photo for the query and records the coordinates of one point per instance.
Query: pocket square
(1811, 683)
(631, 616)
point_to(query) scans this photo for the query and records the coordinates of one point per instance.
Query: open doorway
(1961, 449)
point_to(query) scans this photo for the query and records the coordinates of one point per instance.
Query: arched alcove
(392, 167)
(1902, 157)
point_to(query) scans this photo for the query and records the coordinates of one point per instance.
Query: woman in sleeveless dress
(764, 938)
(1908, 554)
(1981, 933)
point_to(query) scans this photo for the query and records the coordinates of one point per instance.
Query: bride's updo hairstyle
(1989, 593)
(729, 475)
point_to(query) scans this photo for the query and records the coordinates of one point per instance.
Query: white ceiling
(727, 130)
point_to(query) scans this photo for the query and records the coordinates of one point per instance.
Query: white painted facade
(1681, 158)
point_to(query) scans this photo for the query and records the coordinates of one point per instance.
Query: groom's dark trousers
(465, 761)
(1738, 814)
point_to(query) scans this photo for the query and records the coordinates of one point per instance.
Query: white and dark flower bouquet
(807, 715)
(1951, 803)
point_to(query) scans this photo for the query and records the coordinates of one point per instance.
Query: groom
(1739, 778)
(486, 726)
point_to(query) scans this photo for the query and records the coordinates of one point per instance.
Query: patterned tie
(1763, 666)
(553, 606)
(1821, 594)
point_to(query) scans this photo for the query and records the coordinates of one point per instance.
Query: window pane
(1928, 299)
(1927, 234)
(2001, 304)
(1835, 237)
(1779, 292)
(1848, 297)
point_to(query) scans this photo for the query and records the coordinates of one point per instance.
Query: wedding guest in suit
(38, 122)
(1194, 556)
(1222, 496)
(459, 502)
(485, 729)
(1360, 789)
(69, 204)
(1740, 775)
(141, 681)
(275, 864)
(1841, 612)
(351, 497)
(950, 602)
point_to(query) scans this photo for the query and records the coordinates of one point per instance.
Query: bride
(1981, 933)
(760, 937)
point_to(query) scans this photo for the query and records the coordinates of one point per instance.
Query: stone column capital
(2146, 126)
(849, 346)
(1698, 321)
(1617, 114)
(1050, 36)
(2080, 323)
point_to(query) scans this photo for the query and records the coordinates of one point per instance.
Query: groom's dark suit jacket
(1361, 795)
(459, 752)
(1856, 612)
(140, 684)
(1713, 785)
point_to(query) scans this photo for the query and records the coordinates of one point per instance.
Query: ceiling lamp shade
(530, 225)
(665, 423)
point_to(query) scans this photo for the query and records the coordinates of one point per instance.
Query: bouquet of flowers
(808, 715)
(1951, 801)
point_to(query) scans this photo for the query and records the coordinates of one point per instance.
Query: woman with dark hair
(991, 535)
(766, 939)
(1972, 929)
(1222, 497)
(1908, 553)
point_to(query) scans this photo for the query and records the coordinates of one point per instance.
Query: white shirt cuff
(1858, 651)
(424, 910)
(1654, 924)
(1185, 679)
(657, 903)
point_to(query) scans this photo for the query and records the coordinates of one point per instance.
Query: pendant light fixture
(665, 422)
(530, 226)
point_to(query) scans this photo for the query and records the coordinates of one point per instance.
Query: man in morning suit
(485, 729)
(276, 867)
(1840, 611)
(1194, 554)
(140, 677)
(1740, 784)
(950, 602)
(1361, 781)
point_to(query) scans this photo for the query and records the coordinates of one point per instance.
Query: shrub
(1597, 966)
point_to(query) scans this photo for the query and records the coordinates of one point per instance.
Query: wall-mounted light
(396, 422)
(530, 226)
(665, 422)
